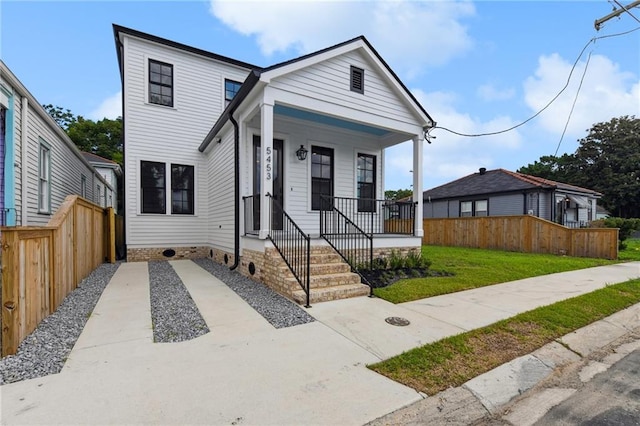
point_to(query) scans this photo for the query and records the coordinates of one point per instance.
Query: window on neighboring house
(366, 180)
(321, 176)
(466, 208)
(160, 83)
(99, 195)
(357, 79)
(474, 208)
(44, 173)
(231, 89)
(153, 185)
(83, 186)
(480, 208)
(182, 189)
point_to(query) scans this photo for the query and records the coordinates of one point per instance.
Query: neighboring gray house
(39, 164)
(501, 193)
(110, 171)
(210, 143)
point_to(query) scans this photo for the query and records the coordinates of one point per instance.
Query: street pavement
(247, 372)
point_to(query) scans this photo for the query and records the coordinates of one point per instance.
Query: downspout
(236, 184)
(23, 160)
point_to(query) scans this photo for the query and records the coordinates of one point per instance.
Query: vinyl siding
(545, 206)
(297, 174)
(171, 135)
(506, 205)
(66, 169)
(220, 179)
(435, 209)
(329, 81)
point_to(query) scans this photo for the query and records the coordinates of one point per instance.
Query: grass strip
(452, 361)
(474, 268)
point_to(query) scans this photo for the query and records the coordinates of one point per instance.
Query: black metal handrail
(292, 244)
(352, 243)
(377, 216)
(251, 206)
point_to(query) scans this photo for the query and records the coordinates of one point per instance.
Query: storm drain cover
(398, 321)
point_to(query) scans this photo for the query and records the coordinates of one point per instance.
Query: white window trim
(146, 59)
(378, 158)
(44, 147)
(319, 144)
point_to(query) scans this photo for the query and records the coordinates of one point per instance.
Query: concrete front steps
(329, 276)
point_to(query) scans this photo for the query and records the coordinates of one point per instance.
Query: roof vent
(483, 170)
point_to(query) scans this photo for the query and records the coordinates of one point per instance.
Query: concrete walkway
(247, 372)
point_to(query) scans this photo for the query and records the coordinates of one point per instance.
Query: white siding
(66, 168)
(329, 81)
(170, 135)
(17, 140)
(220, 181)
(297, 188)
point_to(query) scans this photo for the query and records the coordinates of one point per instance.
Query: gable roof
(266, 74)
(499, 181)
(97, 161)
(119, 30)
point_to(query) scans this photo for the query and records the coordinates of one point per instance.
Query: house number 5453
(267, 162)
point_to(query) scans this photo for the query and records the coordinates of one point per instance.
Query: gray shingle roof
(498, 181)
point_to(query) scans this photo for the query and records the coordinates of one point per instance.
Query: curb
(489, 393)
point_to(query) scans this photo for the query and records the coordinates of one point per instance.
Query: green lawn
(632, 252)
(477, 268)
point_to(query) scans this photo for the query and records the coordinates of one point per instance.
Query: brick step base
(326, 294)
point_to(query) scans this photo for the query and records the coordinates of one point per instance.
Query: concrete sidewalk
(247, 372)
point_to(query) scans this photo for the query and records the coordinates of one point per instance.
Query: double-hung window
(321, 176)
(154, 186)
(181, 189)
(153, 182)
(366, 180)
(44, 179)
(474, 208)
(160, 83)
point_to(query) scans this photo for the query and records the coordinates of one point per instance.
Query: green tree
(607, 160)
(397, 194)
(103, 138)
(64, 117)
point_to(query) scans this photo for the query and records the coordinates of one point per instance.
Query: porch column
(266, 160)
(418, 144)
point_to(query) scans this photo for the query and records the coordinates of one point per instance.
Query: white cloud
(489, 92)
(409, 34)
(606, 92)
(109, 108)
(451, 156)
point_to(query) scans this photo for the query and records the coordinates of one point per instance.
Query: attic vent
(357, 79)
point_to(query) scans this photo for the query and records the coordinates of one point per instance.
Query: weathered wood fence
(42, 265)
(528, 234)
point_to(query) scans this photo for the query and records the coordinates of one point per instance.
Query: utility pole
(616, 13)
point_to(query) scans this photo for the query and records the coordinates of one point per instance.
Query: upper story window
(160, 83)
(231, 89)
(44, 179)
(357, 79)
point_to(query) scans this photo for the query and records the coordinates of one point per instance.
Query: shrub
(626, 227)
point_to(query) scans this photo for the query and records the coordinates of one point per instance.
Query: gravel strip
(46, 349)
(278, 310)
(174, 314)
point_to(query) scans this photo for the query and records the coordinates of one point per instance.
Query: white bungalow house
(39, 164)
(110, 171)
(276, 171)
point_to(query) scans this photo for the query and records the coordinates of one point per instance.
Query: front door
(278, 182)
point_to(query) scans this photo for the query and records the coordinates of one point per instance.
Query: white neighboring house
(244, 164)
(110, 171)
(39, 164)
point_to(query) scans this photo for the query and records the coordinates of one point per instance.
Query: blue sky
(475, 66)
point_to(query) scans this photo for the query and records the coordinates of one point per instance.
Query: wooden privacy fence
(528, 234)
(42, 265)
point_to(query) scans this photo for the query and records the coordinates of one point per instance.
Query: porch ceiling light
(301, 153)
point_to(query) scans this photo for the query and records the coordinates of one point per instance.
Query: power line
(592, 40)
(573, 105)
